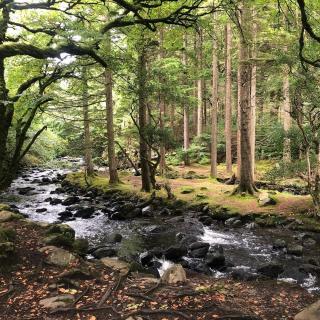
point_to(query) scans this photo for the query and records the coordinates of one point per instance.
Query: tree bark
(186, 138)
(143, 146)
(214, 113)
(162, 111)
(228, 100)
(86, 124)
(200, 84)
(246, 184)
(238, 115)
(286, 109)
(253, 92)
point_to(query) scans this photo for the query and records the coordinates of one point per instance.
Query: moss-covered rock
(4, 207)
(58, 240)
(186, 190)
(80, 246)
(62, 229)
(6, 216)
(6, 249)
(7, 234)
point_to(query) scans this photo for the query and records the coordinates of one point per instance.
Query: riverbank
(82, 286)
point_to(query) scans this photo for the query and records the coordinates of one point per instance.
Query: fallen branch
(83, 309)
(154, 288)
(138, 295)
(156, 312)
(80, 296)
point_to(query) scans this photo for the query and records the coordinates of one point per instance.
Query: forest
(160, 159)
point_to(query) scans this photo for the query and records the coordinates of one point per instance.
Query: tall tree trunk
(200, 84)
(214, 113)
(143, 146)
(186, 138)
(86, 124)
(246, 183)
(253, 93)
(286, 109)
(238, 115)
(162, 111)
(228, 102)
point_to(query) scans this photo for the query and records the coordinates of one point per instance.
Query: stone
(199, 249)
(147, 211)
(215, 260)
(58, 256)
(186, 190)
(116, 237)
(279, 244)
(146, 258)
(40, 210)
(6, 249)
(296, 250)
(117, 265)
(312, 312)
(104, 252)
(77, 274)
(70, 200)
(6, 216)
(81, 246)
(233, 222)
(55, 201)
(84, 213)
(25, 191)
(176, 252)
(58, 240)
(265, 200)
(271, 270)
(60, 301)
(243, 275)
(310, 268)
(174, 274)
(61, 229)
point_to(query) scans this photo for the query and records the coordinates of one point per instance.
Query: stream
(245, 249)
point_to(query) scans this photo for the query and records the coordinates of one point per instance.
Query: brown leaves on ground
(201, 299)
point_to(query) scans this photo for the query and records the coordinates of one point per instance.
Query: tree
(228, 101)
(246, 184)
(200, 82)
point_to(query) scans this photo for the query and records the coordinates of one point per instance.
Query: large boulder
(174, 274)
(176, 252)
(271, 270)
(57, 256)
(104, 252)
(117, 265)
(310, 313)
(198, 249)
(60, 301)
(84, 213)
(61, 229)
(58, 240)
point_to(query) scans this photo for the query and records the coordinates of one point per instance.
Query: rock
(60, 301)
(296, 250)
(147, 211)
(57, 256)
(271, 270)
(199, 249)
(61, 229)
(85, 213)
(55, 201)
(310, 268)
(25, 191)
(5, 207)
(186, 190)
(215, 260)
(65, 215)
(174, 274)
(175, 253)
(58, 240)
(308, 241)
(233, 222)
(77, 274)
(312, 312)
(117, 265)
(252, 225)
(70, 200)
(6, 216)
(104, 252)
(243, 275)
(146, 258)
(80, 246)
(40, 210)
(116, 237)
(279, 244)
(265, 200)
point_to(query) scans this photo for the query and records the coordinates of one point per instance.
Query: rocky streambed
(154, 234)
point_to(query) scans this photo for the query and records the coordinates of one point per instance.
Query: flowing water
(243, 248)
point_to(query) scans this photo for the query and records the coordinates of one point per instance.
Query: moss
(186, 190)
(7, 234)
(80, 246)
(4, 207)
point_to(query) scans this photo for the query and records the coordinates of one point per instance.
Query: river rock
(6, 216)
(215, 260)
(55, 201)
(243, 275)
(65, 215)
(199, 249)
(174, 274)
(60, 301)
(104, 252)
(40, 210)
(80, 246)
(6, 249)
(57, 256)
(271, 270)
(147, 211)
(116, 237)
(310, 268)
(146, 258)
(117, 265)
(84, 213)
(279, 244)
(310, 313)
(61, 229)
(70, 200)
(58, 240)
(296, 250)
(233, 222)
(176, 252)
(25, 191)
(265, 200)
(78, 274)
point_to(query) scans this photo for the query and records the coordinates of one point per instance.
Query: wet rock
(312, 312)
(279, 244)
(174, 274)
(308, 241)
(150, 270)
(25, 191)
(265, 200)
(252, 226)
(199, 249)
(6, 250)
(40, 210)
(233, 222)
(80, 246)
(310, 268)
(55, 201)
(147, 211)
(78, 274)
(60, 301)
(65, 215)
(58, 240)
(175, 253)
(197, 266)
(271, 270)
(117, 265)
(146, 258)
(154, 229)
(70, 200)
(85, 213)
(104, 252)
(215, 260)
(243, 275)
(58, 256)
(180, 236)
(296, 250)
(116, 237)
(61, 229)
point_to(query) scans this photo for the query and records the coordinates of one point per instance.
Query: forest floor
(201, 189)
(202, 297)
